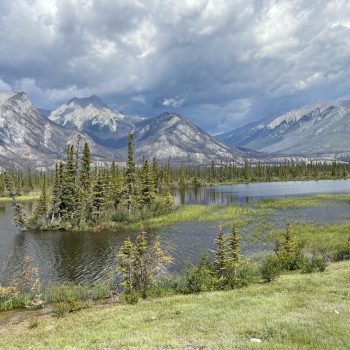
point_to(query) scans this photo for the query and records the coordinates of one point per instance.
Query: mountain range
(38, 138)
(321, 129)
(28, 138)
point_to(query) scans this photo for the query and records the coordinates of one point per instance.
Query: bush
(60, 309)
(343, 253)
(316, 263)
(122, 216)
(271, 268)
(199, 278)
(291, 262)
(131, 297)
(237, 275)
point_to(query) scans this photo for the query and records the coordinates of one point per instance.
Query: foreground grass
(295, 312)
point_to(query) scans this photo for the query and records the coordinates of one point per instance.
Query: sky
(221, 63)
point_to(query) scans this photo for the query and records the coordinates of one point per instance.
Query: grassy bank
(294, 312)
(242, 215)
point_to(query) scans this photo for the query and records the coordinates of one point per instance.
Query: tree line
(79, 194)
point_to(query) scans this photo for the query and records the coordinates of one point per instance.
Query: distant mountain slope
(93, 117)
(29, 139)
(319, 129)
(171, 135)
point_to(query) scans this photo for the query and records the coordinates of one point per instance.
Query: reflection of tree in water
(12, 264)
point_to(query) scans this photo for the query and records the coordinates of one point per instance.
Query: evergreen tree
(235, 244)
(141, 248)
(99, 197)
(42, 207)
(147, 185)
(130, 173)
(2, 185)
(126, 264)
(56, 192)
(68, 186)
(289, 245)
(85, 182)
(221, 254)
(117, 187)
(155, 175)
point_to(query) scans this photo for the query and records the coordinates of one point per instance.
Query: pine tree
(155, 175)
(68, 185)
(130, 173)
(42, 207)
(99, 197)
(147, 185)
(2, 185)
(117, 187)
(85, 182)
(141, 276)
(221, 254)
(126, 264)
(56, 192)
(235, 244)
(289, 246)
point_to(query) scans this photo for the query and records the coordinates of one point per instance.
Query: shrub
(131, 297)
(121, 215)
(199, 278)
(60, 309)
(317, 263)
(271, 268)
(237, 275)
(343, 253)
(291, 262)
(63, 307)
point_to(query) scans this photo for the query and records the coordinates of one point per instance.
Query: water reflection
(244, 193)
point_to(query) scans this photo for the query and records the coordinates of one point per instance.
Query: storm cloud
(221, 63)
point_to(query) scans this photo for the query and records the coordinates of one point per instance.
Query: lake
(87, 257)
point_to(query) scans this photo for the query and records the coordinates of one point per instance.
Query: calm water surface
(87, 257)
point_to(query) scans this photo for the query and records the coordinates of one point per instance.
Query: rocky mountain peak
(83, 102)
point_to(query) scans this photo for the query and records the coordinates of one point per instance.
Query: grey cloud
(220, 62)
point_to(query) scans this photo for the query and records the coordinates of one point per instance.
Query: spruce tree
(117, 187)
(85, 182)
(147, 185)
(221, 254)
(141, 248)
(68, 185)
(126, 264)
(235, 244)
(155, 175)
(130, 173)
(2, 185)
(42, 207)
(289, 245)
(98, 196)
(56, 192)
